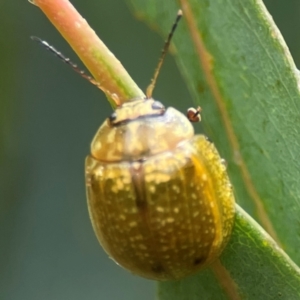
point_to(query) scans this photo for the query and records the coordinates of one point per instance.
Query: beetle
(159, 197)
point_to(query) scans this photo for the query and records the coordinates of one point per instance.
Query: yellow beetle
(159, 197)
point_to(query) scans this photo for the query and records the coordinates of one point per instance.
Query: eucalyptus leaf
(242, 75)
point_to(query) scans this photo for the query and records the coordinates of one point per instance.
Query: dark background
(48, 117)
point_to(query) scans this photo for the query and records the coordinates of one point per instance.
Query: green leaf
(240, 72)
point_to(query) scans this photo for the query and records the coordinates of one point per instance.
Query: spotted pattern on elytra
(159, 196)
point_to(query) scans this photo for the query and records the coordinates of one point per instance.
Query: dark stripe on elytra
(137, 175)
(138, 181)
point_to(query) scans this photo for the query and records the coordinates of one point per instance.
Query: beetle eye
(157, 105)
(112, 117)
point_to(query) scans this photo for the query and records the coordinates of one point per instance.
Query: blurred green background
(48, 117)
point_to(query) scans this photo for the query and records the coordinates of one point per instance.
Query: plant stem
(107, 70)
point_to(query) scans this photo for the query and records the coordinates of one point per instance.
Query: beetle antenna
(164, 51)
(67, 61)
